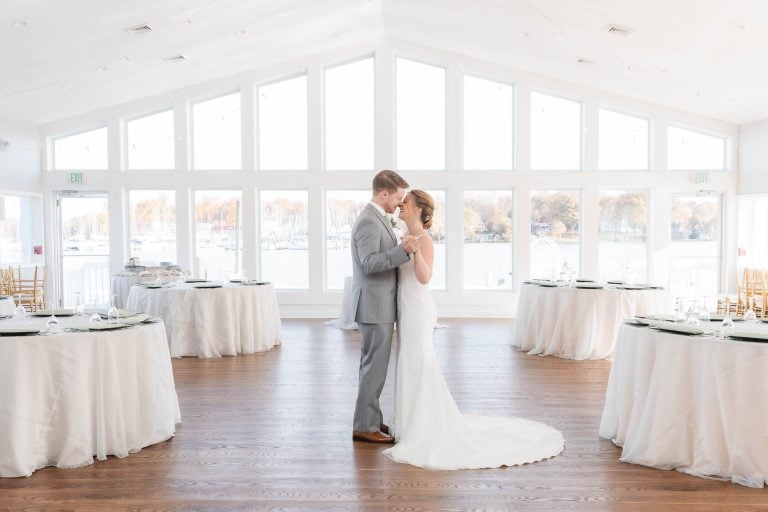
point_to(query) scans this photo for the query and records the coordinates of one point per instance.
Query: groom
(375, 258)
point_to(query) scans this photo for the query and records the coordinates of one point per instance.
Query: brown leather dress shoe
(372, 437)
(384, 428)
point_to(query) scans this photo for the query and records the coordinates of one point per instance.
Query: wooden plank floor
(271, 431)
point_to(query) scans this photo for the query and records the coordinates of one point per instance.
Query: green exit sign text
(76, 178)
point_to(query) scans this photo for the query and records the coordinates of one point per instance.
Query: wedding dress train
(430, 430)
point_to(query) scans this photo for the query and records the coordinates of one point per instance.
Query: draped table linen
(68, 397)
(690, 403)
(578, 323)
(121, 287)
(7, 306)
(213, 322)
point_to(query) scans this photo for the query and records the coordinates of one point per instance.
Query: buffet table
(696, 404)
(578, 323)
(68, 397)
(213, 322)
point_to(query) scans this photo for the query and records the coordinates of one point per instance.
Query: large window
(622, 249)
(10, 230)
(285, 238)
(150, 141)
(218, 233)
(216, 133)
(555, 234)
(420, 116)
(341, 210)
(153, 226)
(623, 141)
(283, 125)
(694, 151)
(488, 234)
(694, 269)
(555, 133)
(84, 151)
(488, 124)
(349, 116)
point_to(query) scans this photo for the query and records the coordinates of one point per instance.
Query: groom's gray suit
(375, 258)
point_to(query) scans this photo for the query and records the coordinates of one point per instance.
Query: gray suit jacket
(375, 258)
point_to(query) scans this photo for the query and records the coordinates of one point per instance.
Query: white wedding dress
(429, 429)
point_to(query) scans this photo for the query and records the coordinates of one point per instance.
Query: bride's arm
(423, 259)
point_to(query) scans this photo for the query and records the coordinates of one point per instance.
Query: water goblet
(749, 315)
(113, 314)
(704, 316)
(726, 326)
(52, 323)
(79, 309)
(95, 316)
(19, 313)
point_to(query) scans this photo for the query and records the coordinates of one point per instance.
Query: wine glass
(95, 316)
(52, 323)
(19, 313)
(245, 277)
(749, 315)
(704, 316)
(79, 308)
(726, 325)
(113, 314)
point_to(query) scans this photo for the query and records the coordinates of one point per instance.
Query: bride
(429, 429)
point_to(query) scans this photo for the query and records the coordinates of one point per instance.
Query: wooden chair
(735, 304)
(31, 288)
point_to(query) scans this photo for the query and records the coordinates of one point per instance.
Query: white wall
(662, 184)
(20, 162)
(753, 158)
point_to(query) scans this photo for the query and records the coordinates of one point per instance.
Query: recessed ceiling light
(19, 23)
(739, 26)
(175, 58)
(142, 28)
(618, 30)
(525, 34)
(239, 33)
(583, 60)
(102, 68)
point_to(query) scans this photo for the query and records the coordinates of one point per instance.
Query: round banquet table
(121, 286)
(213, 322)
(72, 396)
(7, 306)
(578, 323)
(691, 403)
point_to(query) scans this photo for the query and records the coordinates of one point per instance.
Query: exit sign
(76, 178)
(700, 178)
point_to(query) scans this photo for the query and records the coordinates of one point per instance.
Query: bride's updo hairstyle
(427, 205)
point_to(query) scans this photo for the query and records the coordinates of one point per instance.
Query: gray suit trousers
(376, 345)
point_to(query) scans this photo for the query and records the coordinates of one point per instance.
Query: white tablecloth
(121, 286)
(7, 306)
(578, 323)
(69, 397)
(694, 404)
(214, 322)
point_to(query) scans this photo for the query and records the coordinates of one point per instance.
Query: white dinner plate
(57, 312)
(663, 317)
(106, 326)
(717, 317)
(637, 321)
(593, 286)
(255, 283)
(208, 285)
(195, 280)
(135, 319)
(678, 328)
(19, 331)
(748, 334)
(630, 287)
(124, 313)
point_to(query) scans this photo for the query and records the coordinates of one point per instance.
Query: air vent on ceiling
(618, 30)
(139, 29)
(582, 60)
(175, 58)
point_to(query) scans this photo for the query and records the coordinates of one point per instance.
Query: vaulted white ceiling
(66, 57)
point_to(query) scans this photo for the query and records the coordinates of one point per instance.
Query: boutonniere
(393, 222)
